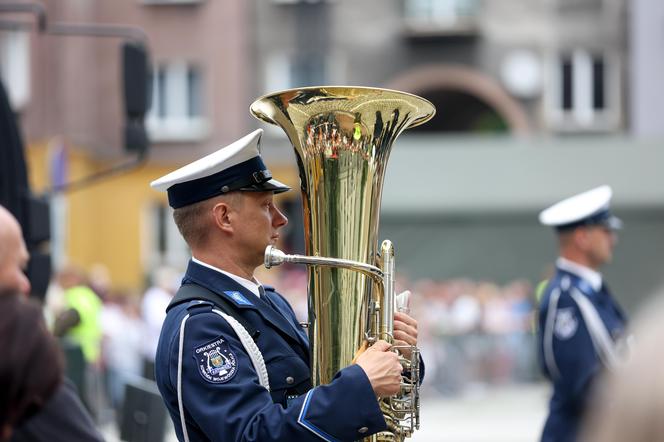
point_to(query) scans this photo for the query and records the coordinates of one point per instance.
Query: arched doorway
(461, 112)
(466, 101)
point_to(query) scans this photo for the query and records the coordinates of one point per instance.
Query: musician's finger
(400, 326)
(400, 316)
(404, 338)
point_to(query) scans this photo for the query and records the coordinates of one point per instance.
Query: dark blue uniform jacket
(221, 394)
(576, 359)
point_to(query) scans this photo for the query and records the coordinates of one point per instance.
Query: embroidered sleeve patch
(566, 323)
(216, 362)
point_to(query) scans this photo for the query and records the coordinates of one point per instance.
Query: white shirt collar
(252, 286)
(593, 277)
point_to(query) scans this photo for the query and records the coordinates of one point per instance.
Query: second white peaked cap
(587, 208)
(237, 166)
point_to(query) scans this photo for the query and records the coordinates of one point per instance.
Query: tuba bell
(342, 138)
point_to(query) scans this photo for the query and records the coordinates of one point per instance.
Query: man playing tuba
(225, 211)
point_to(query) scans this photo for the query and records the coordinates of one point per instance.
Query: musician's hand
(405, 332)
(382, 367)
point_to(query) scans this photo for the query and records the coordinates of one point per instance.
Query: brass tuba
(342, 138)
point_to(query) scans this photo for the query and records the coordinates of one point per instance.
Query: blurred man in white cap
(580, 323)
(232, 361)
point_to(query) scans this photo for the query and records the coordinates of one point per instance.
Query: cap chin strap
(255, 179)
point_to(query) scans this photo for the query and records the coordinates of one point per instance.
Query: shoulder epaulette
(194, 292)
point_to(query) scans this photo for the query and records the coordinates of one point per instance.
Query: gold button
(363, 430)
(290, 380)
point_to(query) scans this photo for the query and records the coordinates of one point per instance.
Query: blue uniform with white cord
(234, 405)
(571, 351)
(581, 326)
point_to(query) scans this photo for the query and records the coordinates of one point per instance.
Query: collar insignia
(238, 297)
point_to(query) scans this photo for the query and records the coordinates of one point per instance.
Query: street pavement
(513, 413)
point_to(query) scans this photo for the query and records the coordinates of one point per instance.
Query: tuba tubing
(403, 418)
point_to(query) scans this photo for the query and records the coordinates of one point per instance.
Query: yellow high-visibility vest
(87, 333)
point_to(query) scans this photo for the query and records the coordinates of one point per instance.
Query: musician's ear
(222, 213)
(227, 209)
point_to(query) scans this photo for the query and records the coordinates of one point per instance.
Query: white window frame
(177, 251)
(15, 67)
(440, 14)
(176, 125)
(169, 2)
(278, 73)
(582, 117)
(294, 2)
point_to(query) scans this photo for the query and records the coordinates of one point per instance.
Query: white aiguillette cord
(250, 347)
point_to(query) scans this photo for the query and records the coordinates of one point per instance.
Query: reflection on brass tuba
(342, 138)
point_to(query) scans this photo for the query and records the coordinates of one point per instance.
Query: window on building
(586, 92)
(283, 71)
(177, 103)
(446, 16)
(164, 245)
(580, 6)
(293, 2)
(15, 66)
(170, 2)
(441, 10)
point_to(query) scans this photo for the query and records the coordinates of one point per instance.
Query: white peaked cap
(237, 166)
(587, 208)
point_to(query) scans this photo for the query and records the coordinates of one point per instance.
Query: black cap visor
(603, 218)
(613, 223)
(271, 185)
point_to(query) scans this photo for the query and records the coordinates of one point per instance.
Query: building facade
(534, 103)
(536, 100)
(68, 96)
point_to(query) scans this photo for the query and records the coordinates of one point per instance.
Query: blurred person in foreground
(580, 323)
(630, 401)
(244, 373)
(13, 255)
(63, 417)
(31, 365)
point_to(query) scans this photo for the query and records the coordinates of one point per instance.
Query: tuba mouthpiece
(273, 257)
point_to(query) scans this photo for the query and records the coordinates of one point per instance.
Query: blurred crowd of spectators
(111, 339)
(475, 333)
(471, 333)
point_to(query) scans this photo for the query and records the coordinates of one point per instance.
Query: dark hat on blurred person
(237, 166)
(585, 209)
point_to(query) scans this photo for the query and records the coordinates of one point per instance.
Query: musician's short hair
(193, 221)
